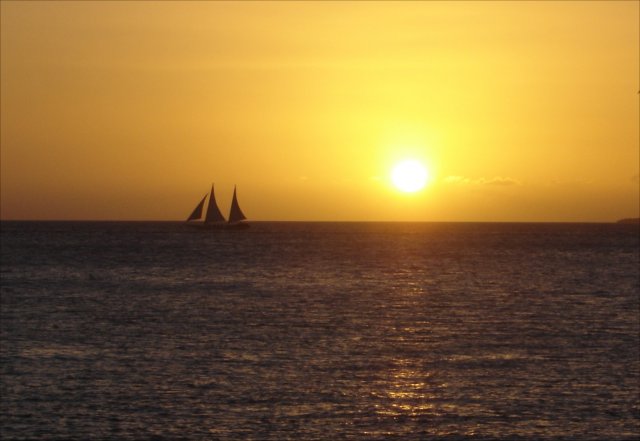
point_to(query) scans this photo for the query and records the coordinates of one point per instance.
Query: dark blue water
(320, 331)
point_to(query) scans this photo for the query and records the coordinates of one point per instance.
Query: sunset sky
(520, 111)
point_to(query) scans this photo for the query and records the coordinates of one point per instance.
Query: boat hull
(218, 226)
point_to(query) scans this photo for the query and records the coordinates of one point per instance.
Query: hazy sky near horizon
(521, 111)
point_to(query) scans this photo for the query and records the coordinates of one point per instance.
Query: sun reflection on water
(411, 391)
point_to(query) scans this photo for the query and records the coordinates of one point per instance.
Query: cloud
(497, 180)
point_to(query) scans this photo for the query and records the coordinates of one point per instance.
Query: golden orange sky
(521, 111)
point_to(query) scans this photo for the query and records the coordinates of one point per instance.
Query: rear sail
(213, 212)
(197, 212)
(236, 214)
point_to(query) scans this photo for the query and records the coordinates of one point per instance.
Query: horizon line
(636, 219)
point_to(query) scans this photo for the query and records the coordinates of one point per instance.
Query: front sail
(197, 212)
(236, 214)
(213, 212)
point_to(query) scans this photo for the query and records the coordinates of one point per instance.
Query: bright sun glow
(409, 176)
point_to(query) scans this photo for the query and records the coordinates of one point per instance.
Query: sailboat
(214, 219)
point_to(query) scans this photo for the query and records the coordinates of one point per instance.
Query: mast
(197, 212)
(236, 214)
(213, 212)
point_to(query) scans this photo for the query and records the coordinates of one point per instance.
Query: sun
(409, 176)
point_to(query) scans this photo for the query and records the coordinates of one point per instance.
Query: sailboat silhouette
(213, 218)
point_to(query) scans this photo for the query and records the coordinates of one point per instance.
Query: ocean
(320, 331)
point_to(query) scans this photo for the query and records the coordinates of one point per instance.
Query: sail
(213, 212)
(236, 214)
(197, 212)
